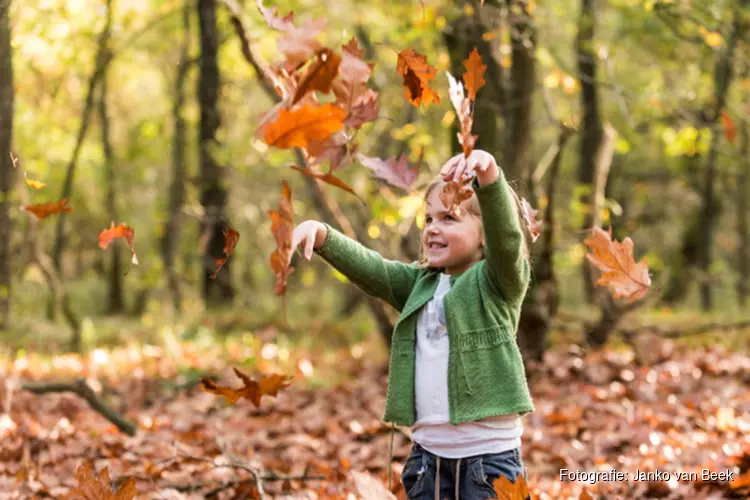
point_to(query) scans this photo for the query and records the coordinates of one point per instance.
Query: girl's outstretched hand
(311, 234)
(479, 162)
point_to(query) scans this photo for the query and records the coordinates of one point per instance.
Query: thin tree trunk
(591, 131)
(213, 195)
(722, 81)
(100, 65)
(171, 238)
(115, 293)
(6, 165)
(522, 84)
(743, 228)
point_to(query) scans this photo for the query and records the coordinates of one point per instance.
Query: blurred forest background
(629, 114)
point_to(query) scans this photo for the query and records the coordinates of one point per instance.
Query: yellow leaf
(33, 183)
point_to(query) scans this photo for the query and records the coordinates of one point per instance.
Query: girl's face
(452, 241)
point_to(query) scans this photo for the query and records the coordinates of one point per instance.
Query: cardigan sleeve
(509, 270)
(387, 279)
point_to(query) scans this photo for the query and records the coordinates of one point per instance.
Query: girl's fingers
(309, 245)
(460, 169)
(449, 165)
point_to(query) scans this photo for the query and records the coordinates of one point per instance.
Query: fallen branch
(82, 389)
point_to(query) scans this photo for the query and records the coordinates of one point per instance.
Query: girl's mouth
(436, 246)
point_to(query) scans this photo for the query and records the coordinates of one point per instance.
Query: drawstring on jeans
(437, 477)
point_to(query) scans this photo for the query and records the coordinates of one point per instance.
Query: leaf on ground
(252, 390)
(474, 76)
(465, 113)
(508, 490)
(371, 488)
(282, 227)
(327, 178)
(454, 193)
(615, 260)
(33, 183)
(416, 75)
(729, 129)
(532, 223)
(304, 124)
(44, 210)
(395, 172)
(319, 75)
(91, 487)
(231, 237)
(107, 236)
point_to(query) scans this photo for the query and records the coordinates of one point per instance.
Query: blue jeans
(474, 475)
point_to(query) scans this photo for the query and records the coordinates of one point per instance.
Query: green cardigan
(486, 375)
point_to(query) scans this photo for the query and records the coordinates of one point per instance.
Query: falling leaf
(268, 385)
(33, 183)
(616, 261)
(416, 74)
(454, 193)
(529, 216)
(121, 231)
(328, 178)
(465, 113)
(91, 487)
(273, 20)
(729, 129)
(282, 227)
(231, 237)
(365, 108)
(333, 149)
(353, 68)
(44, 210)
(508, 490)
(395, 172)
(474, 76)
(297, 44)
(301, 125)
(319, 75)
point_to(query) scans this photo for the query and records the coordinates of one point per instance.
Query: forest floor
(660, 407)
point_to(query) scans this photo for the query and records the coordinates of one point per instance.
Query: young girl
(456, 375)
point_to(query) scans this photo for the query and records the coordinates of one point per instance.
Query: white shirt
(432, 429)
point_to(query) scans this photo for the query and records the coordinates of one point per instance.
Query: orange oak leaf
(394, 172)
(615, 260)
(729, 129)
(454, 193)
(511, 490)
(303, 124)
(529, 216)
(474, 76)
(465, 113)
(319, 75)
(282, 227)
(121, 231)
(99, 487)
(33, 183)
(44, 210)
(416, 74)
(252, 390)
(231, 237)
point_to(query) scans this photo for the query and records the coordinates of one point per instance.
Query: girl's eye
(428, 220)
(449, 217)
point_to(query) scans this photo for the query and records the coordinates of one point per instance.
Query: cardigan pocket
(483, 339)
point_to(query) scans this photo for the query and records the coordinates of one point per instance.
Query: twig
(82, 389)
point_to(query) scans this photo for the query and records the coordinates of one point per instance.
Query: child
(455, 375)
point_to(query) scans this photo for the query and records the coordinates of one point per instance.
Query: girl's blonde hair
(472, 206)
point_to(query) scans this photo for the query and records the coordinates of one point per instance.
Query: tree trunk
(170, 240)
(115, 292)
(6, 165)
(743, 228)
(722, 80)
(522, 84)
(591, 124)
(213, 195)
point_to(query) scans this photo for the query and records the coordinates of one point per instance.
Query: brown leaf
(615, 260)
(353, 69)
(303, 124)
(333, 149)
(273, 20)
(282, 227)
(454, 193)
(319, 75)
(251, 390)
(231, 237)
(474, 76)
(91, 487)
(507, 490)
(297, 44)
(393, 171)
(465, 113)
(328, 178)
(529, 216)
(121, 231)
(365, 108)
(416, 74)
(44, 210)
(729, 129)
